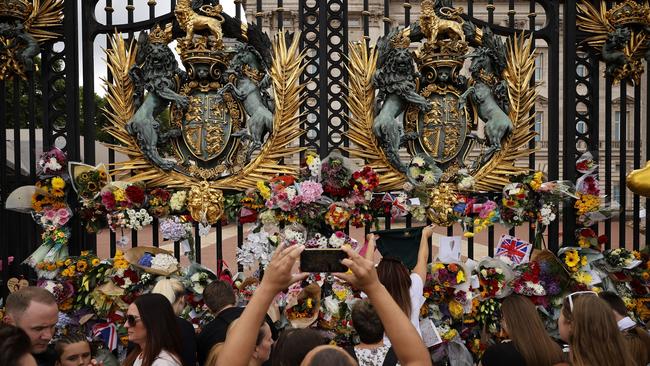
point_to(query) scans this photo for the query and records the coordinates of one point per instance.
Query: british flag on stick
(517, 250)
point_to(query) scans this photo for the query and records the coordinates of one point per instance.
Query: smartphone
(322, 260)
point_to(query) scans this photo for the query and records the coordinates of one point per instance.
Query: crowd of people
(594, 327)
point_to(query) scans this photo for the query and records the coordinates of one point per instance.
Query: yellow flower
(84, 253)
(51, 266)
(583, 242)
(309, 303)
(60, 264)
(583, 261)
(469, 234)
(341, 294)
(455, 309)
(572, 258)
(460, 277)
(645, 276)
(118, 194)
(265, 191)
(95, 262)
(582, 277)
(58, 192)
(438, 266)
(82, 265)
(68, 262)
(58, 183)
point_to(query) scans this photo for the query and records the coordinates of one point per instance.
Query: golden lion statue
(432, 25)
(191, 21)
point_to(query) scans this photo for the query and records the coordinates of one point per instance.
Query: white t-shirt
(417, 300)
(164, 359)
(416, 292)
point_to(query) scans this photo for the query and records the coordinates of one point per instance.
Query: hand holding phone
(323, 260)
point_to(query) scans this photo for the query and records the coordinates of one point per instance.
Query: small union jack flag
(108, 333)
(515, 249)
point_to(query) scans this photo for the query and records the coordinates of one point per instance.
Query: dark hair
(20, 300)
(332, 356)
(67, 339)
(293, 345)
(527, 333)
(366, 322)
(14, 344)
(157, 316)
(614, 302)
(394, 275)
(217, 295)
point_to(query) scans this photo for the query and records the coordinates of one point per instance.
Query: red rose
(602, 239)
(135, 194)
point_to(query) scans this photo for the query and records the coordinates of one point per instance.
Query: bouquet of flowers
(177, 201)
(93, 215)
(494, 276)
(337, 215)
(573, 260)
(513, 204)
(87, 180)
(448, 275)
(587, 238)
(621, 258)
(336, 176)
(158, 201)
(364, 180)
(176, 228)
(52, 162)
(423, 171)
(303, 305)
(527, 280)
(336, 304)
(257, 247)
(586, 163)
(153, 260)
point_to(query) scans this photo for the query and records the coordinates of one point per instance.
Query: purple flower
(145, 261)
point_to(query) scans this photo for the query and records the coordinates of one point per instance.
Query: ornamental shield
(206, 126)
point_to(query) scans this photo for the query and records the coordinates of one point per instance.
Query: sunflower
(82, 265)
(102, 175)
(91, 186)
(56, 192)
(572, 258)
(95, 262)
(84, 176)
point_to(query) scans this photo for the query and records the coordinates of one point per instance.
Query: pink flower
(108, 200)
(50, 214)
(64, 215)
(310, 191)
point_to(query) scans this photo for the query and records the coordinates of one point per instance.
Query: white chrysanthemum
(177, 201)
(418, 161)
(163, 261)
(429, 178)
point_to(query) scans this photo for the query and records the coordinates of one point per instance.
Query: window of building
(616, 129)
(539, 67)
(539, 120)
(616, 193)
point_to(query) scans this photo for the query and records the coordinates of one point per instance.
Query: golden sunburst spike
(361, 99)
(519, 71)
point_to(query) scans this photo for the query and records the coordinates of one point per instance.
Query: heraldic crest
(455, 125)
(226, 132)
(24, 26)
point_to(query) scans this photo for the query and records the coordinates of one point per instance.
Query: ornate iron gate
(48, 102)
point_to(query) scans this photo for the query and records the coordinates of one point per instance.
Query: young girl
(73, 350)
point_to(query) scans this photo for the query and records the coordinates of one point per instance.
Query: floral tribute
(314, 209)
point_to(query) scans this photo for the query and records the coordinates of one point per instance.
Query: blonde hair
(527, 332)
(171, 288)
(595, 338)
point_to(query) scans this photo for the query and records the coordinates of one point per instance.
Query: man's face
(39, 322)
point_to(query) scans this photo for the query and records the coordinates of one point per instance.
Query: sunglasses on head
(131, 319)
(570, 297)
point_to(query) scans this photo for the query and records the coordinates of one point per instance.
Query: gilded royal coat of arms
(459, 104)
(225, 131)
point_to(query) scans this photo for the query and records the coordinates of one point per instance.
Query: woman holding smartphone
(406, 287)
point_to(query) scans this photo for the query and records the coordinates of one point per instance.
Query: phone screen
(322, 260)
